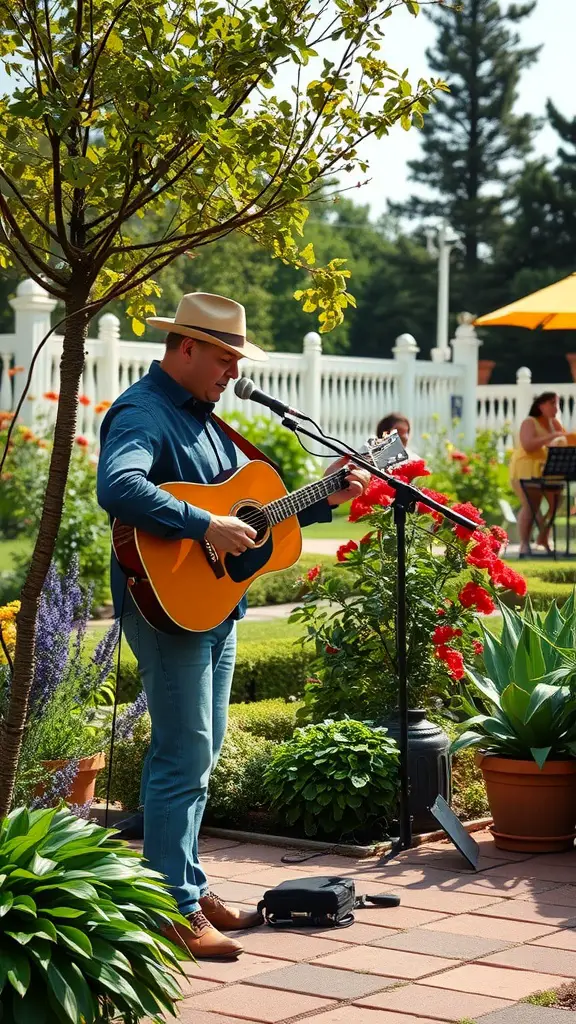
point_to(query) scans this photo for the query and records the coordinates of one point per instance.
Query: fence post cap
(523, 375)
(405, 343)
(312, 340)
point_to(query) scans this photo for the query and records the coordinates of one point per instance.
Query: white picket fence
(347, 395)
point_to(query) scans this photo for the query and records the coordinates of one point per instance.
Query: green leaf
(540, 755)
(63, 993)
(75, 939)
(17, 968)
(32, 1008)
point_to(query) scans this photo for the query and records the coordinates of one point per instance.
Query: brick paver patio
(461, 945)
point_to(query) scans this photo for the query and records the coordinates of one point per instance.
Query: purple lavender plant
(58, 787)
(127, 720)
(63, 608)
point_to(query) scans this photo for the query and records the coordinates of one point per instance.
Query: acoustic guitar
(188, 585)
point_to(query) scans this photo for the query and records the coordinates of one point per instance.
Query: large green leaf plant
(80, 920)
(524, 706)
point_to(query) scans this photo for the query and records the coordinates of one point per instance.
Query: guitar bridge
(213, 559)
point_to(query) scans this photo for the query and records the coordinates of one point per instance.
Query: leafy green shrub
(79, 928)
(471, 474)
(272, 719)
(236, 785)
(237, 782)
(551, 571)
(334, 777)
(84, 531)
(296, 466)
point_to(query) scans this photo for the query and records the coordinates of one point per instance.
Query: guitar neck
(283, 508)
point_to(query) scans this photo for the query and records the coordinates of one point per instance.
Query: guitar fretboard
(281, 509)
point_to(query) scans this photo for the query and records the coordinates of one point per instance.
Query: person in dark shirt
(160, 430)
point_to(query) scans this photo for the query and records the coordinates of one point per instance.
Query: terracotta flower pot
(534, 810)
(485, 368)
(82, 789)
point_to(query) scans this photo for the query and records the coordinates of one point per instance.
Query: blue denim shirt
(154, 433)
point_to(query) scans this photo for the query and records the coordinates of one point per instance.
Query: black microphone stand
(405, 500)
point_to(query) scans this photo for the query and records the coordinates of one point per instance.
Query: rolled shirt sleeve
(124, 489)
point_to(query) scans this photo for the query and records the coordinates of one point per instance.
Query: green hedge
(278, 668)
(272, 719)
(550, 571)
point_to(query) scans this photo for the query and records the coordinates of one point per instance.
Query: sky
(551, 25)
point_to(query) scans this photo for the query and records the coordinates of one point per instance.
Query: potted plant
(523, 720)
(67, 727)
(81, 918)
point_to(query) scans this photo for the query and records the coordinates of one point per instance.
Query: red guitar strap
(246, 447)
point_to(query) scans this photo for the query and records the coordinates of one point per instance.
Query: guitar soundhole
(255, 517)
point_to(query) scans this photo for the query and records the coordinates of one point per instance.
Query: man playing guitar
(161, 429)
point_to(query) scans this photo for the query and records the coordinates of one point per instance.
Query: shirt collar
(178, 394)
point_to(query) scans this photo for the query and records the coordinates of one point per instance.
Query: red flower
(478, 646)
(367, 537)
(345, 549)
(332, 650)
(471, 512)
(442, 634)
(458, 456)
(82, 441)
(440, 611)
(436, 496)
(452, 659)
(84, 400)
(475, 596)
(500, 537)
(505, 576)
(408, 471)
(52, 396)
(378, 492)
(481, 554)
(313, 573)
(466, 470)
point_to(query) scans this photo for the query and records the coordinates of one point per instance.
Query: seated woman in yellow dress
(540, 430)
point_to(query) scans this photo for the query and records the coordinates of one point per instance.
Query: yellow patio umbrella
(552, 308)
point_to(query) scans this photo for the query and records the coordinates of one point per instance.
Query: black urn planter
(428, 764)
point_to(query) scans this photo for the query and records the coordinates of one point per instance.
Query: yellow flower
(8, 612)
(425, 437)
(449, 446)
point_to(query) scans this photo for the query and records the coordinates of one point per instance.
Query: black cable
(115, 711)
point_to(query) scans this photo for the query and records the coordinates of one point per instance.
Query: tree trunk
(14, 722)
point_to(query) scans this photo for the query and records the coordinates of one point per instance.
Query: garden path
(462, 946)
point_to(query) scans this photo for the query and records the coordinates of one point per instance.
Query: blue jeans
(187, 680)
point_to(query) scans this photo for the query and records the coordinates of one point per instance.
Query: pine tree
(473, 137)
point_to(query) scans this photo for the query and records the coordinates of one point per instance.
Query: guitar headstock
(385, 452)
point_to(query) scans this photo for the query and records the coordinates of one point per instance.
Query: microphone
(246, 389)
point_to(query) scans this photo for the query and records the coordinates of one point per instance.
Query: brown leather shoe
(228, 918)
(203, 941)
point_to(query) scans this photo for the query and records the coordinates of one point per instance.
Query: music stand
(559, 471)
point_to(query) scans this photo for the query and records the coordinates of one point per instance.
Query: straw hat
(211, 318)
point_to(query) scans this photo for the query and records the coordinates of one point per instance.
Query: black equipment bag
(321, 901)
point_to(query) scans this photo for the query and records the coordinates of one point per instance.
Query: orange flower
(14, 370)
(102, 406)
(82, 441)
(52, 396)
(84, 400)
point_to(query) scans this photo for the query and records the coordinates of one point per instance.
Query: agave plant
(527, 707)
(80, 919)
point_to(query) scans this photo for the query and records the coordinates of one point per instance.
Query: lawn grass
(9, 548)
(338, 529)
